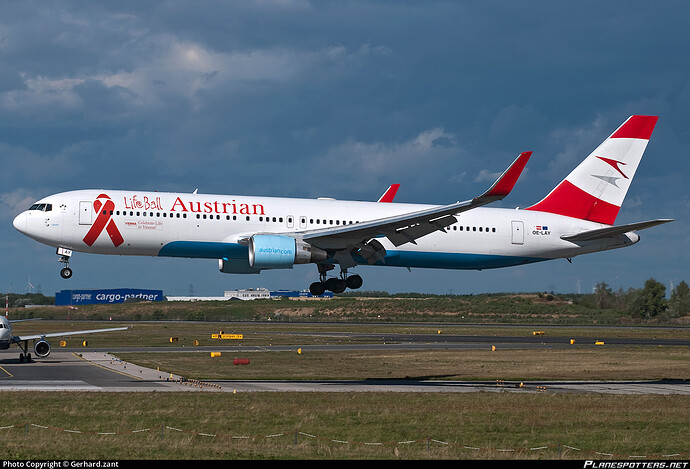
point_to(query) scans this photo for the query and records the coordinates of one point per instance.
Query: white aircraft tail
(595, 190)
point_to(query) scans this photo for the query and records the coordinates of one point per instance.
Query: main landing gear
(24, 356)
(65, 254)
(334, 284)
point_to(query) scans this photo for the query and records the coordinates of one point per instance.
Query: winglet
(389, 195)
(506, 182)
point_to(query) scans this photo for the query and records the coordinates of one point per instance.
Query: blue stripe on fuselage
(451, 260)
(429, 260)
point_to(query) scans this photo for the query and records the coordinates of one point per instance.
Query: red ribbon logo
(104, 221)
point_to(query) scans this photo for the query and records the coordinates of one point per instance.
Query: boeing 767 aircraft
(251, 234)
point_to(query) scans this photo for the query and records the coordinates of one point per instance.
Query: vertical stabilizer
(595, 190)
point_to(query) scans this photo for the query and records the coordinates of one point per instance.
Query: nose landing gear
(65, 255)
(334, 284)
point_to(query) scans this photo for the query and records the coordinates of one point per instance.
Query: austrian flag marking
(541, 230)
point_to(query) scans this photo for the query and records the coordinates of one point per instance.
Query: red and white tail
(595, 190)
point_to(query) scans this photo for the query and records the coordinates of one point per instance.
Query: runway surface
(100, 371)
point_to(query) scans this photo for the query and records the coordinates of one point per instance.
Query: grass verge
(343, 426)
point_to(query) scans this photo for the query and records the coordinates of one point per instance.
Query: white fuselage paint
(203, 226)
(5, 333)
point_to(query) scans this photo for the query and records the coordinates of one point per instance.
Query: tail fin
(595, 190)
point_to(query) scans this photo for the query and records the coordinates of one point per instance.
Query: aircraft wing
(409, 227)
(16, 339)
(611, 231)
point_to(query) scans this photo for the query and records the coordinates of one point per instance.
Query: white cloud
(376, 163)
(162, 67)
(486, 175)
(572, 145)
(378, 158)
(15, 202)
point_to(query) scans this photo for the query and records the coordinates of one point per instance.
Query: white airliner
(250, 234)
(41, 346)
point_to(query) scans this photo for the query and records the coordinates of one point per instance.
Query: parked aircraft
(41, 345)
(250, 234)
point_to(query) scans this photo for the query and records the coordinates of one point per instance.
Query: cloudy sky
(300, 98)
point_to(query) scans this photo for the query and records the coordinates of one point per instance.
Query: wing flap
(411, 233)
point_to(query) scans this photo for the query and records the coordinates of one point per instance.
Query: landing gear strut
(25, 356)
(334, 284)
(65, 254)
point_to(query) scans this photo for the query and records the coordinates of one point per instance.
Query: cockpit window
(42, 207)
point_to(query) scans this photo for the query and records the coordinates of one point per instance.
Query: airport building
(251, 294)
(121, 295)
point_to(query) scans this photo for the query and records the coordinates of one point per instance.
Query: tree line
(647, 302)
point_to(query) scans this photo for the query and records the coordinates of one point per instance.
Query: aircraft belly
(453, 260)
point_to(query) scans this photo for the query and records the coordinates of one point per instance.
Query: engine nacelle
(42, 348)
(282, 252)
(236, 266)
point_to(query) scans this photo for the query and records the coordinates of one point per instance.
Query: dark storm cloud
(339, 99)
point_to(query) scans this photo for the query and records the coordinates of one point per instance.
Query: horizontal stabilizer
(612, 231)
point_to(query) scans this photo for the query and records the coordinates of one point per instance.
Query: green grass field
(478, 425)
(206, 426)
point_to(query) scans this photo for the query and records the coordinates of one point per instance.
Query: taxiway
(101, 371)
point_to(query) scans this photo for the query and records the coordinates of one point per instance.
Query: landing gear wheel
(336, 285)
(354, 282)
(317, 288)
(66, 272)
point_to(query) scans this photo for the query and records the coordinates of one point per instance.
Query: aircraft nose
(20, 222)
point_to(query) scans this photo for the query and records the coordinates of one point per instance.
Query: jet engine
(42, 348)
(236, 266)
(282, 252)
